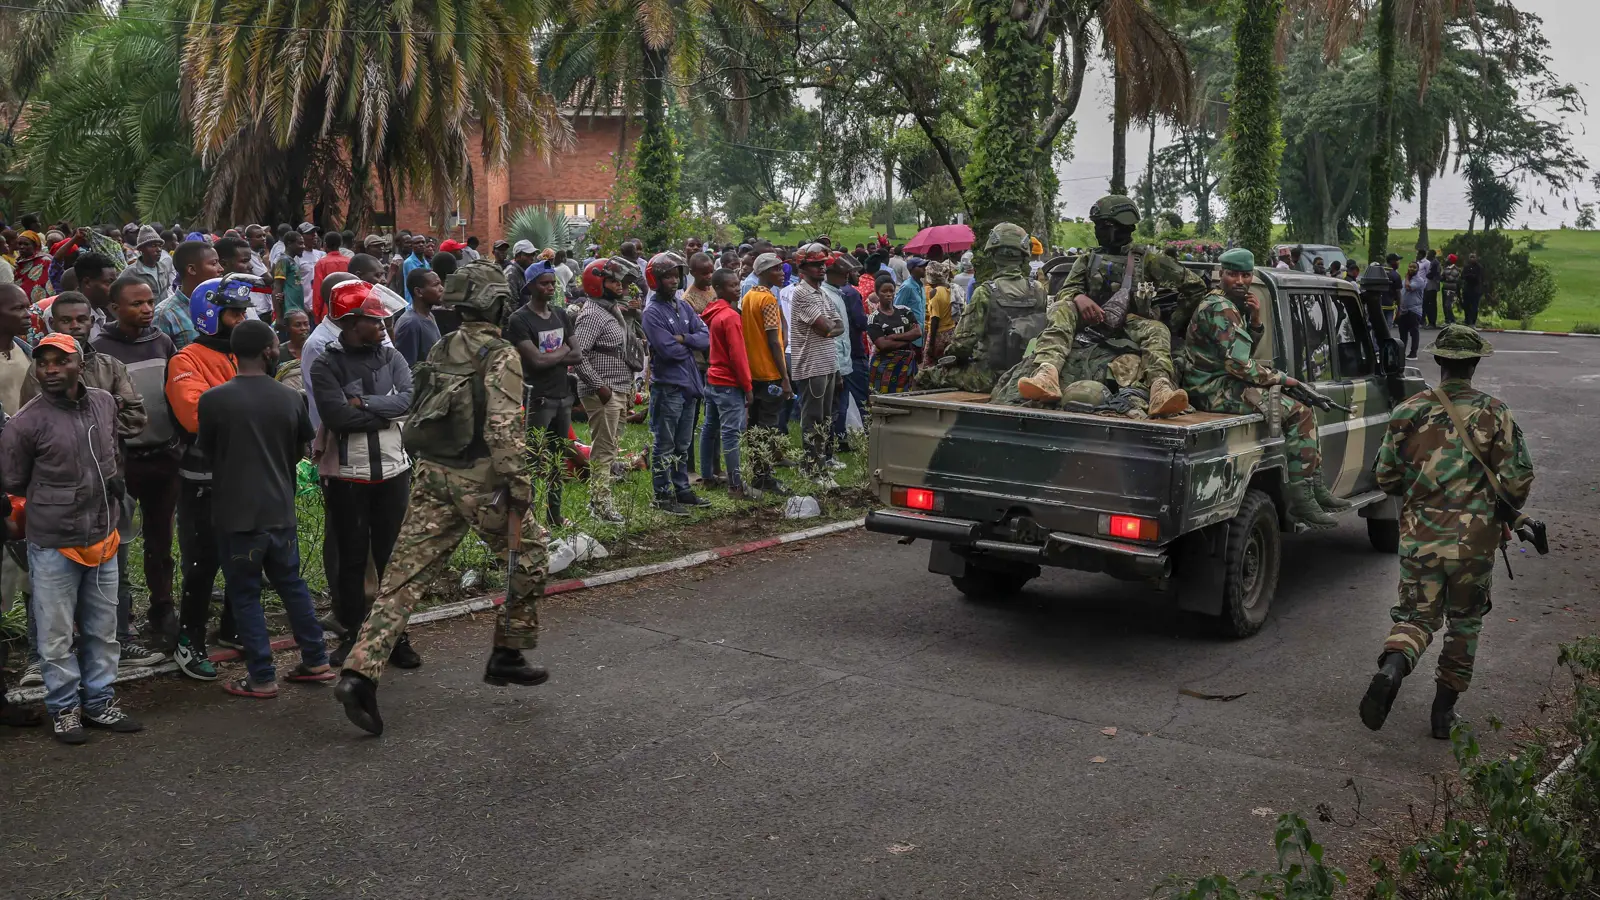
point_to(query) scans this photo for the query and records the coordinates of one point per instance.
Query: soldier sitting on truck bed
(1006, 313)
(1106, 303)
(1222, 375)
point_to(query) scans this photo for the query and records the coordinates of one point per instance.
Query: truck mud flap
(1198, 570)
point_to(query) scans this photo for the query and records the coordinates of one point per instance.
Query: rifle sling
(1472, 447)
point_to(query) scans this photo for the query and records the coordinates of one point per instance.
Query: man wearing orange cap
(60, 451)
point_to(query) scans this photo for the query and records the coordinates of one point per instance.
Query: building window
(577, 208)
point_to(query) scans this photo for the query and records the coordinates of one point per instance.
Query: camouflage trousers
(443, 506)
(1300, 446)
(1055, 344)
(969, 376)
(1448, 593)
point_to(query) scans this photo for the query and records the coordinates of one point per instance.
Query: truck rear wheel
(1384, 535)
(1250, 569)
(989, 585)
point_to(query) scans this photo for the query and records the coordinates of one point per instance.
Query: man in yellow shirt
(764, 341)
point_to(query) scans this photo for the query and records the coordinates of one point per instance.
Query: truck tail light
(1129, 528)
(915, 498)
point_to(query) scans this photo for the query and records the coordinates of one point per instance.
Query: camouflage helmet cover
(1007, 236)
(1116, 207)
(1460, 342)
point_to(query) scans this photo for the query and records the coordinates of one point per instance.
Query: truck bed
(1064, 470)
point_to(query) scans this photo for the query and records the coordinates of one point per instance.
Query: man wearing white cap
(523, 254)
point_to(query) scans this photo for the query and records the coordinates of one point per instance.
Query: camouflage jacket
(1447, 507)
(1099, 275)
(503, 430)
(969, 343)
(1216, 361)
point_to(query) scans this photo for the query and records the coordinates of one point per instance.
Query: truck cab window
(1311, 324)
(1355, 355)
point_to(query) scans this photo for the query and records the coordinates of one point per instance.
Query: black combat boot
(508, 666)
(1444, 712)
(1385, 686)
(360, 698)
(404, 656)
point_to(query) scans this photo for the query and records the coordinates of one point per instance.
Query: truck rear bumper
(1068, 551)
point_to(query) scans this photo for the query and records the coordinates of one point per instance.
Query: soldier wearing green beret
(1099, 305)
(1006, 313)
(1449, 530)
(1221, 373)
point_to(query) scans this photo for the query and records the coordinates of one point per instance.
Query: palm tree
(284, 91)
(34, 30)
(540, 227)
(1421, 24)
(629, 53)
(1256, 137)
(1151, 75)
(108, 141)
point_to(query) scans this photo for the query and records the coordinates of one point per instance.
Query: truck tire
(1250, 569)
(1384, 535)
(987, 585)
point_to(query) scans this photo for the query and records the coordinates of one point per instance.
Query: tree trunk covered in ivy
(1003, 179)
(1381, 185)
(888, 197)
(1424, 182)
(656, 168)
(1255, 136)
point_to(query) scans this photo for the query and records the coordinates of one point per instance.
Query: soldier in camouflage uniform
(1006, 313)
(1099, 302)
(1222, 375)
(477, 491)
(1449, 530)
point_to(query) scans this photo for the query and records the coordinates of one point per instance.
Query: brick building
(576, 181)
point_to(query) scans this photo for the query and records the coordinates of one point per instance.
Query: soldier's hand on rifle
(1089, 312)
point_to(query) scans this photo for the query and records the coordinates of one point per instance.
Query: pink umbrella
(953, 238)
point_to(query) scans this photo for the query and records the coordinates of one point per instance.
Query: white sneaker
(837, 465)
(137, 656)
(826, 483)
(32, 676)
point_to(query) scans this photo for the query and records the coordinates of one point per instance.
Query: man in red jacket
(728, 384)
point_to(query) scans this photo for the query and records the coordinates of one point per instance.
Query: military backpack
(449, 402)
(1017, 315)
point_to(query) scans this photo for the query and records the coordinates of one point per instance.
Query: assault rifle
(1311, 398)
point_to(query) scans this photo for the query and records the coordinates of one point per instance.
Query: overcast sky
(1570, 26)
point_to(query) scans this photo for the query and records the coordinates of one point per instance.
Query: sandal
(305, 674)
(245, 688)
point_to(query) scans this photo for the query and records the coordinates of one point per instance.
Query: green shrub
(1586, 328)
(1530, 295)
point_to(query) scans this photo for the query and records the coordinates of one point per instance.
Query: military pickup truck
(1194, 504)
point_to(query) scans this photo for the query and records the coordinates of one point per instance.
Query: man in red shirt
(728, 384)
(333, 262)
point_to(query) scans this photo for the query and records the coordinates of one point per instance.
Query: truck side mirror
(1375, 288)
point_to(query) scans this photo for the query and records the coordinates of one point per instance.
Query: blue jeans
(67, 595)
(245, 556)
(724, 421)
(672, 423)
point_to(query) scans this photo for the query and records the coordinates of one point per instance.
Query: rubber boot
(1044, 385)
(507, 666)
(1303, 506)
(360, 698)
(1385, 686)
(1325, 497)
(1444, 712)
(1166, 399)
(404, 656)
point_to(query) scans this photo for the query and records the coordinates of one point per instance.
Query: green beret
(1238, 260)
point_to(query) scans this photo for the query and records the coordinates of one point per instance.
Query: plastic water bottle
(774, 390)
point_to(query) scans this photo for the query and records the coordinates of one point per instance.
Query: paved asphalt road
(824, 721)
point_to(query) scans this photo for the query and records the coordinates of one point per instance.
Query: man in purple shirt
(673, 329)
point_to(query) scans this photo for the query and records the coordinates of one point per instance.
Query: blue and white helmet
(217, 294)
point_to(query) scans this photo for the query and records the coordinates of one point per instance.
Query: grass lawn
(846, 237)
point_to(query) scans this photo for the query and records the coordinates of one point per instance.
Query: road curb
(1539, 333)
(489, 601)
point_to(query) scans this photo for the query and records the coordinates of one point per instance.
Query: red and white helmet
(596, 273)
(812, 253)
(664, 260)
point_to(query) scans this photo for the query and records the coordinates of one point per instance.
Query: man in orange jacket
(216, 306)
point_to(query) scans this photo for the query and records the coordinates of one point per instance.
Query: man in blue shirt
(911, 294)
(673, 330)
(417, 260)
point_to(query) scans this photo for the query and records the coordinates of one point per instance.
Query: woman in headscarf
(32, 269)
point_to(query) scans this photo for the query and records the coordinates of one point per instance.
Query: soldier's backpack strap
(1477, 454)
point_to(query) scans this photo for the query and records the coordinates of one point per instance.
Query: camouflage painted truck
(1194, 504)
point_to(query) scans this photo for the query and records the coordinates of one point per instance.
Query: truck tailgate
(1062, 470)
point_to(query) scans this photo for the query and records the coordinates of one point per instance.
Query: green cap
(1008, 236)
(1238, 260)
(1460, 342)
(1115, 207)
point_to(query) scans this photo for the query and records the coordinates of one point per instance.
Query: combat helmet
(1460, 342)
(477, 290)
(1007, 236)
(1115, 207)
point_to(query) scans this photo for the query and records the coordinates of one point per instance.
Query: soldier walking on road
(1101, 300)
(465, 427)
(1006, 313)
(1222, 375)
(1449, 529)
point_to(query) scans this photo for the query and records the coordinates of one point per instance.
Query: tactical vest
(1016, 315)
